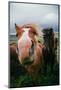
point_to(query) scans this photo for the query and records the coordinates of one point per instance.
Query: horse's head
(48, 35)
(26, 43)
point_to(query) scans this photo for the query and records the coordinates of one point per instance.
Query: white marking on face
(25, 39)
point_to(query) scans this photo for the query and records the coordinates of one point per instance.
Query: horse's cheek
(38, 55)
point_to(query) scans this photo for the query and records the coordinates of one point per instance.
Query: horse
(48, 50)
(29, 50)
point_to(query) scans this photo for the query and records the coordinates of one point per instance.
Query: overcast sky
(42, 15)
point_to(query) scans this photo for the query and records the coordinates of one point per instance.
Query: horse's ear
(15, 25)
(17, 29)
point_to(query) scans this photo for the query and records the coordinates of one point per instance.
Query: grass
(42, 79)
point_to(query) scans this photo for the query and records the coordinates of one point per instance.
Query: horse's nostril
(31, 50)
(32, 44)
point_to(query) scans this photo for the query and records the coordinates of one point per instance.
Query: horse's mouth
(27, 61)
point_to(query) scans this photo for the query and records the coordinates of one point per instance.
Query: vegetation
(42, 79)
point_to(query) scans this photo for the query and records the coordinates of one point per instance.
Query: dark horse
(48, 50)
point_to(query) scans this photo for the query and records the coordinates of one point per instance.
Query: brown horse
(15, 67)
(29, 51)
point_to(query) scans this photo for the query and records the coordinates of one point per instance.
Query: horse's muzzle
(29, 60)
(26, 54)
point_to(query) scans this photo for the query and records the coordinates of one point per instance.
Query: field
(42, 79)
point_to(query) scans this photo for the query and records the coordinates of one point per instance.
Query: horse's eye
(33, 32)
(19, 34)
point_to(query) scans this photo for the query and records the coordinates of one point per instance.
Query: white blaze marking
(23, 40)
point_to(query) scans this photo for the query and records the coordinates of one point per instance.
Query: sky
(40, 14)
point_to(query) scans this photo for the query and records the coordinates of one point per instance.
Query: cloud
(50, 18)
(33, 13)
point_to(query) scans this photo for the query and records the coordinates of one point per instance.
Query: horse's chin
(28, 62)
